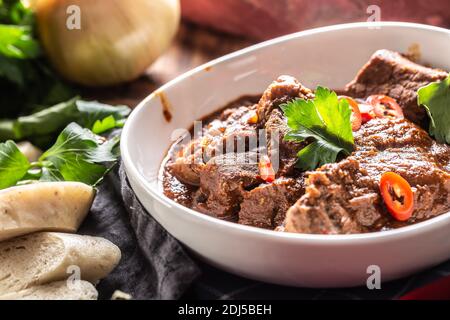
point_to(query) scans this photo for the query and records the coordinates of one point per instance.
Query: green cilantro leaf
(104, 125)
(46, 121)
(16, 31)
(15, 12)
(325, 123)
(13, 164)
(79, 155)
(27, 82)
(92, 115)
(92, 111)
(49, 173)
(11, 70)
(17, 42)
(435, 97)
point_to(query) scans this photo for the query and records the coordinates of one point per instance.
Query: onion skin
(117, 42)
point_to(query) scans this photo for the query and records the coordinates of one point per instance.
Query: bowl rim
(336, 239)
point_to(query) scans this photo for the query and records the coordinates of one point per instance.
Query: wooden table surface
(192, 47)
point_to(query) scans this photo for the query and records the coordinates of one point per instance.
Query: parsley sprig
(77, 155)
(435, 97)
(325, 123)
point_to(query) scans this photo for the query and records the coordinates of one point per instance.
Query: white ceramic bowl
(328, 56)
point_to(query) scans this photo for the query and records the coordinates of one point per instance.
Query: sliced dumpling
(45, 257)
(49, 206)
(60, 290)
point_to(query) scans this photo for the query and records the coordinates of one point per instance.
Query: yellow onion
(114, 42)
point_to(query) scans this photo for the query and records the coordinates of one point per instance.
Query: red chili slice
(385, 107)
(397, 195)
(356, 114)
(367, 112)
(266, 169)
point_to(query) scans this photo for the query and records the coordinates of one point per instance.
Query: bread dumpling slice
(45, 257)
(49, 206)
(60, 290)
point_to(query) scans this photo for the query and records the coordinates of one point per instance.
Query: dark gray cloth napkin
(156, 266)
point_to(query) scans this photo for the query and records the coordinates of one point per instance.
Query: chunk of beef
(239, 134)
(231, 132)
(187, 163)
(284, 152)
(282, 90)
(391, 74)
(344, 197)
(266, 205)
(223, 182)
(235, 131)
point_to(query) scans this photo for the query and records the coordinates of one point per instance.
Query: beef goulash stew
(371, 158)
